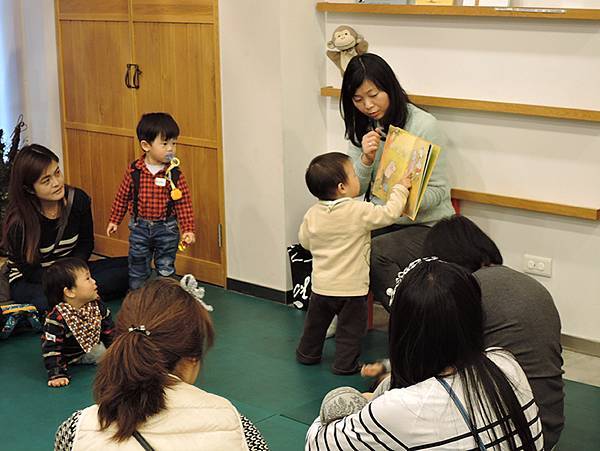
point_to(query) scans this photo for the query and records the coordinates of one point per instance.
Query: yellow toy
(175, 192)
(182, 246)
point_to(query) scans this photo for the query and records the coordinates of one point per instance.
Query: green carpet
(252, 364)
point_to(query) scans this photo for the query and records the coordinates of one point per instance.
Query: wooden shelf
(462, 11)
(494, 107)
(527, 204)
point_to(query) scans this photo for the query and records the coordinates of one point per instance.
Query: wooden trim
(93, 17)
(493, 107)
(94, 128)
(219, 136)
(464, 11)
(61, 85)
(173, 19)
(257, 290)
(198, 142)
(581, 345)
(527, 204)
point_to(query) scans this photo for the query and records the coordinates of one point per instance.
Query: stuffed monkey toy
(345, 44)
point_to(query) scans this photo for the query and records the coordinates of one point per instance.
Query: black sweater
(77, 241)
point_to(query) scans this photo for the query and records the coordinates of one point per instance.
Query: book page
(405, 154)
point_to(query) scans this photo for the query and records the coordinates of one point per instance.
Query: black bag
(301, 264)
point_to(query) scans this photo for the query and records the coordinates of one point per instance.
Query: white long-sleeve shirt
(423, 417)
(338, 234)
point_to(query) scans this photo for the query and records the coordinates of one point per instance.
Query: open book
(404, 153)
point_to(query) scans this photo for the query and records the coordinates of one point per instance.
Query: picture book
(404, 153)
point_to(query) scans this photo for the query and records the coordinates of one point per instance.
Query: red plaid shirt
(152, 199)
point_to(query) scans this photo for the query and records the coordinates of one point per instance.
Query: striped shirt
(423, 417)
(77, 241)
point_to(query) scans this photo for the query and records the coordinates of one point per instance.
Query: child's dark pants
(351, 327)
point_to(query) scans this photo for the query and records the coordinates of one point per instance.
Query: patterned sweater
(60, 347)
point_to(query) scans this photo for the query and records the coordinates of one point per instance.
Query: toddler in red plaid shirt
(145, 191)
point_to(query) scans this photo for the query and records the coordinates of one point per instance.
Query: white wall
(273, 123)
(40, 74)
(11, 74)
(510, 60)
(29, 76)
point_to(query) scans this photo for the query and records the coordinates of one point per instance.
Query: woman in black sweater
(37, 209)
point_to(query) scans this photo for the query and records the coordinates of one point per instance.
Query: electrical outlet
(539, 266)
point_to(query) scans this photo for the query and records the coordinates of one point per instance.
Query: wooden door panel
(199, 166)
(197, 11)
(178, 65)
(97, 163)
(99, 10)
(95, 56)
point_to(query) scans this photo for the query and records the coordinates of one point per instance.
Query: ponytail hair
(134, 373)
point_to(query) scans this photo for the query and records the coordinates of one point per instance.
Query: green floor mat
(252, 364)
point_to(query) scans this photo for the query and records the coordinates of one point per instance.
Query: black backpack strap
(175, 173)
(142, 441)
(135, 189)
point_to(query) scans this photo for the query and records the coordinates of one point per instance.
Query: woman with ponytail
(447, 392)
(45, 220)
(144, 392)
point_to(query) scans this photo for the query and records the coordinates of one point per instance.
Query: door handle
(135, 84)
(136, 76)
(127, 76)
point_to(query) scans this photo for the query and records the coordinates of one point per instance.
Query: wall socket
(539, 266)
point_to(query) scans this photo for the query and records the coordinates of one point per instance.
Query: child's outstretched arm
(185, 212)
(53, 338)
(378, 216)
(120, 204)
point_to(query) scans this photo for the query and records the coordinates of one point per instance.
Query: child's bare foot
(374, 369)
(58, 382)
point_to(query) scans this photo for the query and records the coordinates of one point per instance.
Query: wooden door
(175, 45)
(177, 51)
(98, 111)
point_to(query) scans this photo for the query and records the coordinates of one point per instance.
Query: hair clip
(141, 329)
(391, 292)
(189, 284)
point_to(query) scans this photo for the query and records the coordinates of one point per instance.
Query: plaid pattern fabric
(60, 347)
(152, 199)
(83, 322)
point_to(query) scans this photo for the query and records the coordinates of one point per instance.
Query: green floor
(252, 364)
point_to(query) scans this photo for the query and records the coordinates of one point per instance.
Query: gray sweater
(436, 200)
(520, 316)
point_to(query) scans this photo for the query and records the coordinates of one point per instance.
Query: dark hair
(369, 66)
(60, 275)
(436, 323)
(132, 377)
(458, 240)
(152, 125)
(23, 210)
(324, 174)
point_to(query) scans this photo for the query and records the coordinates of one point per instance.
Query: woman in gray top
(371, 100)
(520, 315)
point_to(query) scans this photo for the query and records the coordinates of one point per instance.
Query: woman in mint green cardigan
(372, 100)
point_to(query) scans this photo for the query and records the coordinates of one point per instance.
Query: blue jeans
(149, 240)
(109, 274)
